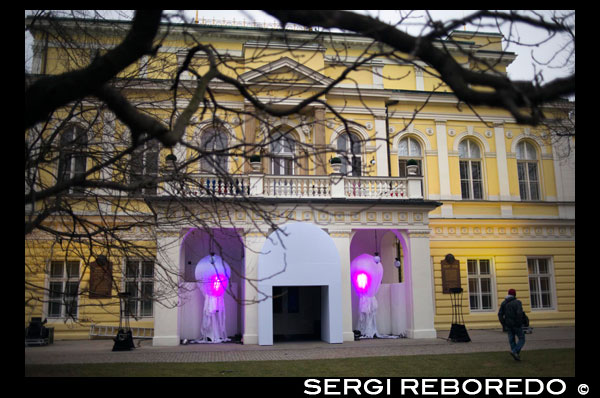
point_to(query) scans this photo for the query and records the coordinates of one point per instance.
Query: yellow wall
(38, 254)
(508, 258)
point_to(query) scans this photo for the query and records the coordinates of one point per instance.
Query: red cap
(512, 292)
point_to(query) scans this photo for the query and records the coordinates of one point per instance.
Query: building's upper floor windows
(72, 156)
(471, 179)
(527, 170)
(144, 168)
(213, 143)
(283, 150)
(350, 150)
(409, 148)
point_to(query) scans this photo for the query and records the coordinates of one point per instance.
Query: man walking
(511, 318)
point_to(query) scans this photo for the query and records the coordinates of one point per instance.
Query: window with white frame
(139, 284)
(480, 284)
(471, 180)
(214, 142)
(72, 156)
(63, 289)
(540, 283)
(144, 167)
(527, 169)
(409, 148)
(283, 149)
(349, 149)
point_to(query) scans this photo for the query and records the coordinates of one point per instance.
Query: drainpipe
(387, 134)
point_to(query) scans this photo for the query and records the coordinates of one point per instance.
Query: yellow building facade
(497, 195)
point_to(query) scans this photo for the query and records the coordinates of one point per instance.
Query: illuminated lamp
(366, 275)
(212, 275)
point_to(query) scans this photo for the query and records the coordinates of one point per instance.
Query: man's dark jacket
(511, 312)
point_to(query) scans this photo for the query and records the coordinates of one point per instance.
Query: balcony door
(283, 149)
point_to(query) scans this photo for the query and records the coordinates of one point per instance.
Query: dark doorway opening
(296, 313)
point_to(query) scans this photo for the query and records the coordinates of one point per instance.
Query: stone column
(342, 243)
(420, 286)
(166, 289)
(253, 244)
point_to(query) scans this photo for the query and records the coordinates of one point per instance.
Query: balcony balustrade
(334, 186)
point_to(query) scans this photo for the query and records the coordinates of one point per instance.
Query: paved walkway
(100, 351)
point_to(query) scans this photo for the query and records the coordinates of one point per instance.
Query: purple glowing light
(212, 275)
(366, 275)
(218, 285)
(362, 281)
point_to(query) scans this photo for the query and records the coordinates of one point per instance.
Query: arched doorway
(196, 244)
(393, 296)
(303, 257)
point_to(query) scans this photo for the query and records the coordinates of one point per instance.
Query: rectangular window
(139, 283)
(480, 285)
(533, 181)
(471, 182)
(477, 180)
(540, 283)
(528, 181)
(144, 168)
(63, 285)
(403, 172)
(464, 180)
(283, 166)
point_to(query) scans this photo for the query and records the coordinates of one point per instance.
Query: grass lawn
(536, 363)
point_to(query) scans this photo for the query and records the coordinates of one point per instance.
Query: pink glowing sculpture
(212, 276)
(366, 274)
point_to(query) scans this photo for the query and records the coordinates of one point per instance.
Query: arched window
(471, 181)
(349, 149)
(283, 149)
(409, 148)
(72, 154)
(527, 169)
(214, 144)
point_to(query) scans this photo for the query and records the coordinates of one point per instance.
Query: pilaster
(381, 144)
(253, 244)
(420, 292)
(443, 166)
(501, 161)
(341, 239)
(166, 291)
(319, 140)
(249, 134)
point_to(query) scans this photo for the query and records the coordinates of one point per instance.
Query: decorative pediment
(285, 71)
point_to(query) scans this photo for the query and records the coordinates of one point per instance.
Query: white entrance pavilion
(301, 254)
(311, 252)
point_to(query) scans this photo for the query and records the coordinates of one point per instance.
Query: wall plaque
(100, 279)
(450, 273)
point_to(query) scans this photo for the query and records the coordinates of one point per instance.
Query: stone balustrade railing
(310, 187)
